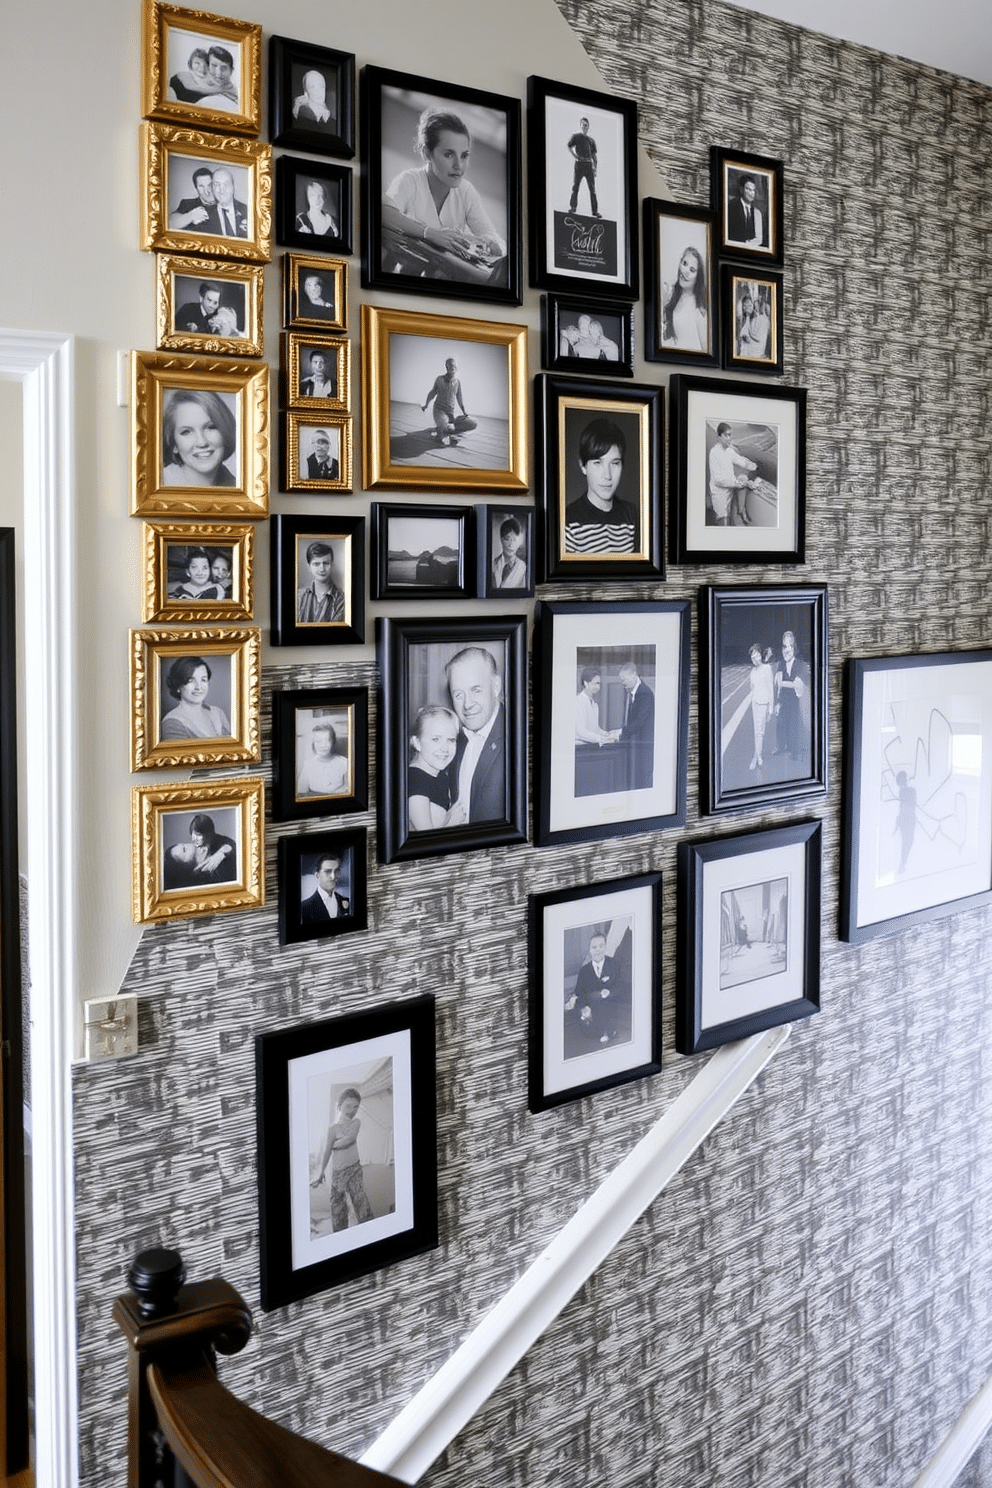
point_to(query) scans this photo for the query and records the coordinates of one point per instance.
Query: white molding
(43, 363)
(961, 1442)
(436, 1414)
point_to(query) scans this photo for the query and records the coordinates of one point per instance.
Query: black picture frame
(289, 537)
(388, 1056)
(586, 788)
(565, 411)
(442, 565)
(488, 197)
(493, 523)
(306, 865)
(752, 339)
(603, 348)
(767, 431)
(775, 709)
(570, 251)
(734, 980)
(917, 813)
(413, 656)
(672, 233)
(293, 175)
(289, 64)
(729, 169)
(594, 1023)
(305, 780)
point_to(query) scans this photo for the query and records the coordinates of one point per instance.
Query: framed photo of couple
(210, 308)
(200, 69)
(201, 193)
(197, 848)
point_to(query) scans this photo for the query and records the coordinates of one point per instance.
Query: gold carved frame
(155, 816)
(157, 21)
(160, 606)
(152, 653)
(160, 147)
(171, 338)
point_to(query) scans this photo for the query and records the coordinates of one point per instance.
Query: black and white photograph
(442, 212)
(322, 885)
(315, 450)
(313, 205)
(194, 697)
(200, 69)
(680, 316)
(196, 574)
(752, 320)
(199, 572)
(315, 371)
(582, 336)
(747, 199)
(199, 437)
(422, 552)
(583, 189)
(763, 656)
(209, 307)
(347, 1133)
(197, 848)
(611, 703)
(452, 750)
(205, 194)
(210, 199)
(311, 98)
(749, 949)
(595, 970)
(505, 543)
(319, 752)
(315, 292)
(318, 580)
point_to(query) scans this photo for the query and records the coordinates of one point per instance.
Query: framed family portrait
(194, 697)
(747, 192)
(316, 452)
(441, 204)
(680, 312)
(504, 540)
(200, 69)
(422, 552)
(314, 292)
(611, 696)
(315, 371)
(752, 320)
(318, 580)
(198, 573)
(311, 98)
(601, 477)
(763, 694)
(917, 790)
(320, 752)
(584, 336)
(582, 152)
(749, 949)
(347, 1147)
(445, 403)
(737, 471)
(595, 988)
(197, 848)
(322, 885)
(313, 205)
(206, 194)
(211, 308)
(199, 437)
(452, 735)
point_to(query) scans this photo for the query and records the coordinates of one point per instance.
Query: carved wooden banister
(174, 1332)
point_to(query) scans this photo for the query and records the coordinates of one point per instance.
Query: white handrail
(436, 1414)
(961, 1442)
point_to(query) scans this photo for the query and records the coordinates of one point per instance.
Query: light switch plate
(111, 1028)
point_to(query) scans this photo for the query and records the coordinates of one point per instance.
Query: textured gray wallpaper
(810, 1302)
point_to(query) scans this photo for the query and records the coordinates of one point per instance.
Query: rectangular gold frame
(294, 267)
(150, 650)
(158, 145)
(250, 276)
(160, 606)
(380, 472)
(153, 375)
(291, 345)
(292, 424)
(152, 804)
(156, 21)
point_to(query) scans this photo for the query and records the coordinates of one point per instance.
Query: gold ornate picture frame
(199, 573)
(315, 371)
(315, 291)
(194, 697)
(200, 69)
(316, 452)
(212, 308)
(188, 178)
(197, 848)
(200, 437)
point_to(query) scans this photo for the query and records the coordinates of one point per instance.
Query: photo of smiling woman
(199, 437)
(188, 683)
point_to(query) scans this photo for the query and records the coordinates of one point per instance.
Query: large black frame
(287, 803)
(733, 683)
(701, 914)
(433, 584)
(287, 131)
(396, 639)
(701, 226)
(287, 629)
(335, 178)
(297, 922)
(428, 268)
(578, 256)
(403, 1031)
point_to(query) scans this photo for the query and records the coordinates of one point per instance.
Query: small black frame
(302, 788)
(514, 554)
(729, 170)
(303, 911)
(443, 565)
(752, 339)
(290, 537)
(289, 64)
(293, 176)
(672, 234)
(603, 347)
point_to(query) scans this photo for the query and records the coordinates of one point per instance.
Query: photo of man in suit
(229, 217)
(745, 221)
(638, 727)
(478, 771)
(325, 903)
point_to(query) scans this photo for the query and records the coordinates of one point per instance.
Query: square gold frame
(381, 473)
(339, 351)
(160, 606)
(156, 21)
(152, 376)
(250, 276)
(151, 805)
(150, 651)
(293, 423)
(158, 145)
(296, 311)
